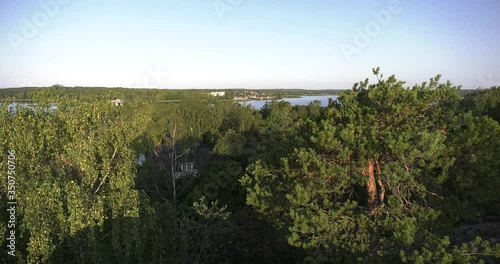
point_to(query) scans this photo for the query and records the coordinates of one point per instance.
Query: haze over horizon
(252, 44)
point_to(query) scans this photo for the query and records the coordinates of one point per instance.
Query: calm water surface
(304, 100)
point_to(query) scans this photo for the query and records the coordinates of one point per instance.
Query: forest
(28, 94)
(387, 173)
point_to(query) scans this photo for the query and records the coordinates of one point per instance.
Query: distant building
(117, 102)
(218, 93)
(189, 164)
(185, 169)
(141, 160)
(12, 108)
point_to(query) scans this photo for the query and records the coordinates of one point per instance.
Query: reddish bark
(371, 185)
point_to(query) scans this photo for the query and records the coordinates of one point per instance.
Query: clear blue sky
(245, 43)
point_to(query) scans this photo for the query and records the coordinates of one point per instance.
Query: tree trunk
(371, 185)
(381, 194)
(172, 172)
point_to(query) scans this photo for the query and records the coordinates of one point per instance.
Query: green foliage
(385, 174)
(75, 182)
(474, 183)
(206, 238)
(213, 235)
(220, 181)
(370, 187)
(145, 95)
(484, 102)
(231, 144)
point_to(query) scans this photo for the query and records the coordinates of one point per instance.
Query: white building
(117, 102)
(218, 93)
(186, 169)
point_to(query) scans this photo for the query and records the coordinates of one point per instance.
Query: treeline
(91, 94)
(141, 95)
(384, 174)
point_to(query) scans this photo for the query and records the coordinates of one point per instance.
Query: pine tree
(366, 187)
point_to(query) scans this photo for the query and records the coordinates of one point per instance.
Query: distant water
(12, 107)
(304, 100)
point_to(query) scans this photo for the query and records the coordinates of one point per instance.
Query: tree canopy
(385, 173)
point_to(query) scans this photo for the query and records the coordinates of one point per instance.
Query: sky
(253, 44)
